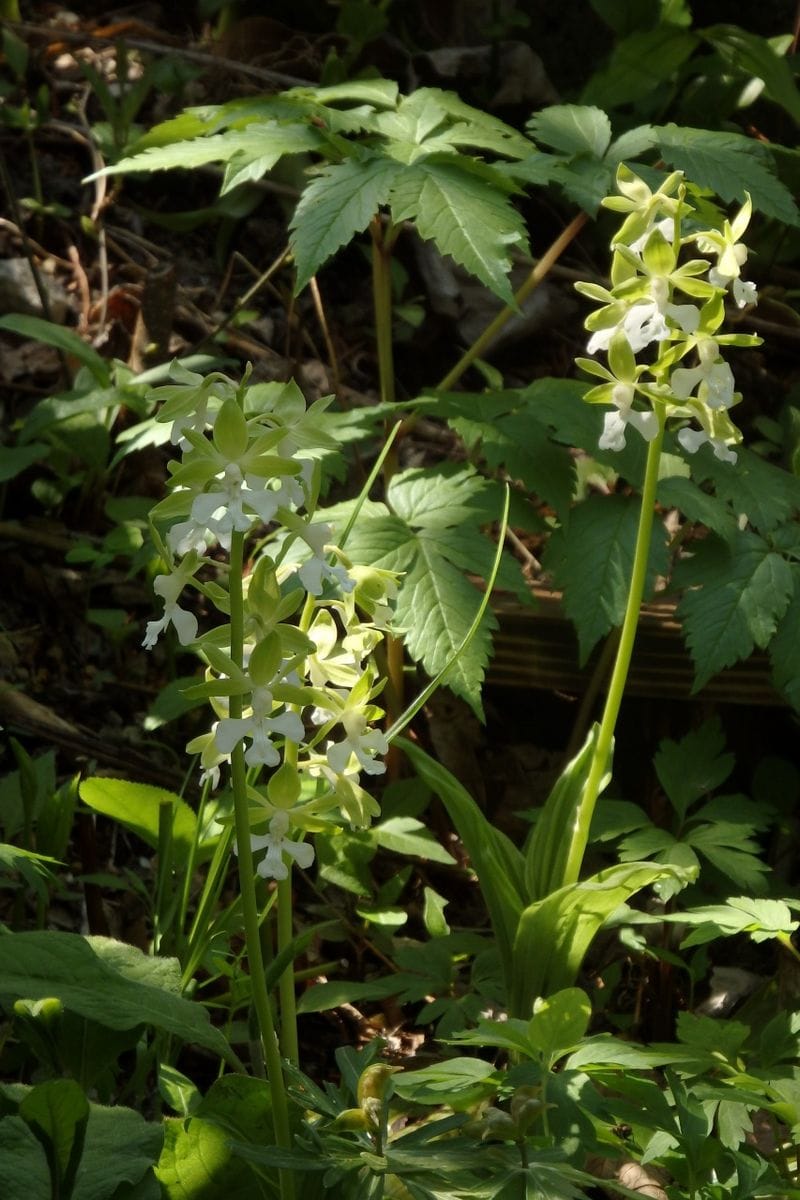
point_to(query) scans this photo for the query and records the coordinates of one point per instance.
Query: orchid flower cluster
(673, 310)
(306, 679)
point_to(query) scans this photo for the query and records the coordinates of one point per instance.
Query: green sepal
(265, 660)
(231, 435)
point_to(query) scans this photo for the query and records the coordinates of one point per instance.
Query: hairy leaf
(572, 129)
(730, 164)
(765, 494)
(338, 203)
(591, 562)
(464, 208)
(739, 590)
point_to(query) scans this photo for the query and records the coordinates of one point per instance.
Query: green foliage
(197, 1162)
(106, 981)
(53, 1142)
(429, 531)
(138, 807)
(590, 560)
(722, 830)
(409, 159)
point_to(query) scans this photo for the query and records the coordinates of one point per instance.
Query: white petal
(692, 439)
(301, 852)
(154, 629)
(684, 380)
(230, 732)
(185, 625)
(613, 435)
(645, 422)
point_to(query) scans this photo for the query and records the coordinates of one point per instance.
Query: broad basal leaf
(338, 203)
(554, 934)
(106, 981)
(137, 806)
(591, 562)
(739, 590)
(463, 206)
(572, 129)
(730, 164)
(495, 859)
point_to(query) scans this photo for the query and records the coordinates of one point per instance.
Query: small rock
(19, 294)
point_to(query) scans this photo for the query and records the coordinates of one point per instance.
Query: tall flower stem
(383, 240)
(622, 662)
(261, 1001)
(286, 984)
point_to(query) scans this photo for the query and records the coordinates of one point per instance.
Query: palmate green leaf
(591, 561)
(572, 129)
(266, 141)
(463, 206)
(696, 505)
(437, 514)
(521, 444)
(106, 981)
(762, 919)
(738, 590)
(728, 847)
(338, 203)
(767, 495)
(730, 164)
(638, 65)
(407, 835)
(694, 766)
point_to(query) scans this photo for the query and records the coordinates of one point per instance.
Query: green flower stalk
(659, 328)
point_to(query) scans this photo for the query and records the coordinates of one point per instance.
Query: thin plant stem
(383, 240)
(541, 269)
(261, 1001)
(619, 675)
(286, 984)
